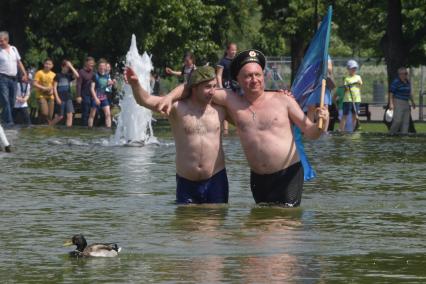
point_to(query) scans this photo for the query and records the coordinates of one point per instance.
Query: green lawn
(375, 127)
(381, 127)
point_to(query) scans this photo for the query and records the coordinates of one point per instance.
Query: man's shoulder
(278, 95)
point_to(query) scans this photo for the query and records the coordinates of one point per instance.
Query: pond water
(362, 220)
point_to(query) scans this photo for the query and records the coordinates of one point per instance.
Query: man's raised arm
(141, 96)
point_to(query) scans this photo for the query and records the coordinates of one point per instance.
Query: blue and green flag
(306, 87)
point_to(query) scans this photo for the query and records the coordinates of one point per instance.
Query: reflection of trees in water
(205, 219)
(271, 234)
(201, 230)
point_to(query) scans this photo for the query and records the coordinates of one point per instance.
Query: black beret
(244, 57)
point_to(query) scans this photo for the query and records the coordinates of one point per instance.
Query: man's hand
(322, 112)
(165, 105)
(130, 76)
(286, 92)
(25, 78)
(169, 71)
(97, 101)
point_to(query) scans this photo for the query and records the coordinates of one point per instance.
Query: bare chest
(264, 118)
(206, 123)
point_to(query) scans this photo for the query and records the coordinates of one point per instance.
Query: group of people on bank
(52, 91)
(347, 99)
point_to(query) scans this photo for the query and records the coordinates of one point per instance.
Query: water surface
(361, 221)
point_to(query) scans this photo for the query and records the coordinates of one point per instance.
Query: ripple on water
(361, 220)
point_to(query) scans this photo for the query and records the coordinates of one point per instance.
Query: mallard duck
(96, 250)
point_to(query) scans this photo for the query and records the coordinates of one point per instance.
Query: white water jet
(134, 121)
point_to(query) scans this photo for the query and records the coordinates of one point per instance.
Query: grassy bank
(381, 127)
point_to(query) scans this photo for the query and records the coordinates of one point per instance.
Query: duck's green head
(77, 240)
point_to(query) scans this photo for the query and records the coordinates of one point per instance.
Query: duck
(93, 250)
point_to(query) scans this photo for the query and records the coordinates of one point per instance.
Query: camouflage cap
(244, 57)
(201, 74)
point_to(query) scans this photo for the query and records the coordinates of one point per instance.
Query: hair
(47, 59)
(64, 62)
(102, 60)
(190, 55)
(4, 34)
(402, 68)
(228, 46)
(89, 58)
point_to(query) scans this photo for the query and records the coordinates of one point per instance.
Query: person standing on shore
(399, 95)
(223, 72)
(4, 142)
(187, 68)
(84, 84)
(10, 62)
(62, 91)
(43, 84)
(352, 99)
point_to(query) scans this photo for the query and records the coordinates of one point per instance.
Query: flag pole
(321, 120)
(325, 66)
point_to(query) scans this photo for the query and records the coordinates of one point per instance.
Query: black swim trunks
(212, 190)
(283, 187)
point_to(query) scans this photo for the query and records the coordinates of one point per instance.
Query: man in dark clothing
(83, 88)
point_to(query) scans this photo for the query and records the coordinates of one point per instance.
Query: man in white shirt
(10, 61)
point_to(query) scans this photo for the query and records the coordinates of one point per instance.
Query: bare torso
(197, 134)
(265, 131)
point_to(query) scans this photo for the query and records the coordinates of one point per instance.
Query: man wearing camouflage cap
(196, 126)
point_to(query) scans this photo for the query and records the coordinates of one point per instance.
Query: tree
(405, 38)
(292, 20)
(103, 28)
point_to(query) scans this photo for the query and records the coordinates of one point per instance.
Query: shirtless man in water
(264, 124)
(196, 126)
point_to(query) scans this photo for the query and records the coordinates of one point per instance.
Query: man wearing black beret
(264, 122)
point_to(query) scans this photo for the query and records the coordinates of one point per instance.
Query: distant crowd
(44, 97)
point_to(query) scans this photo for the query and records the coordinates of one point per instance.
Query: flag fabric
(306, 87)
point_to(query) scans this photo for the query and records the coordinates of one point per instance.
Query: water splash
(134, 121)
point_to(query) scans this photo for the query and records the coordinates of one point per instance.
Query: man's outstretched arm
(141, 96)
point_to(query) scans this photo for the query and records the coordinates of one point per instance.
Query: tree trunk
(393, 44)
(13, 20)
(297, 50)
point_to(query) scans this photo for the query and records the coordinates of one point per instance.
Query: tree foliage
(73, 29)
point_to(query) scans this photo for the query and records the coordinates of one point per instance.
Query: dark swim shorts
(283, 187)
(212, 190)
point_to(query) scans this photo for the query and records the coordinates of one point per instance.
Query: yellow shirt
(46, 80)
(354, 83)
